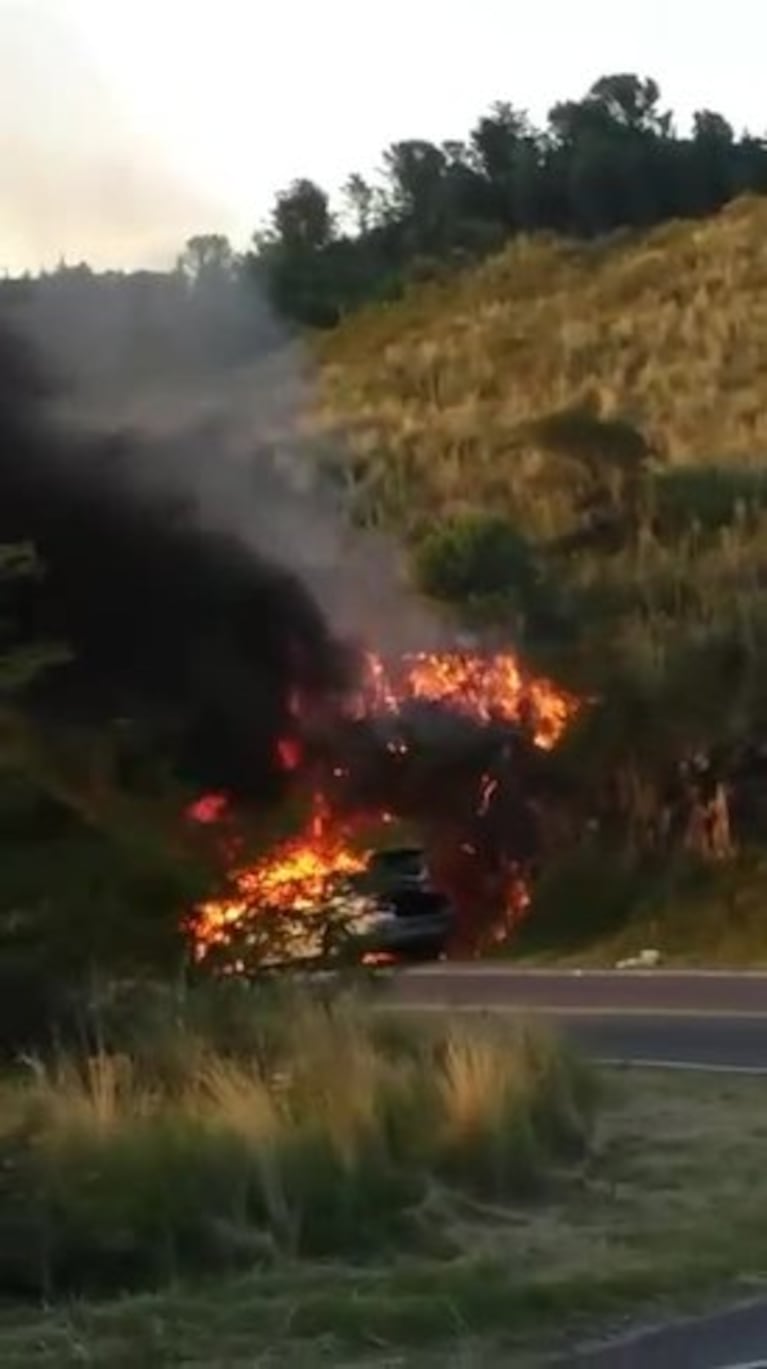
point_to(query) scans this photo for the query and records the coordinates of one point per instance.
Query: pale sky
(126, 125)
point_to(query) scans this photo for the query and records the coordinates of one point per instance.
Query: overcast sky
(125, 125)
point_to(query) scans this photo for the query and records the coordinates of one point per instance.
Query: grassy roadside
(696, 917)
(669, 1211)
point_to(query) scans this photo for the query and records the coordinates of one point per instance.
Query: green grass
(589, 910)
(246, 1129)
(638, 1231)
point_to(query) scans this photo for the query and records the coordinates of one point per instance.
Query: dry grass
(694, 917)
(309, 1128)
(668, 329)
(640, 1232)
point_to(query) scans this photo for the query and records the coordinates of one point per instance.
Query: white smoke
(221, 404)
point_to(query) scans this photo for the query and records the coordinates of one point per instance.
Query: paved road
(736, 1339)
(665, 1017)
(671, 1018)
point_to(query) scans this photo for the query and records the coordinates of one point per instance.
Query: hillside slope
(599, 411)
(667, 330)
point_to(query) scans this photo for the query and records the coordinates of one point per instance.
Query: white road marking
(611, 1061)
(615, 1062)
(485, 968)
(563, 1010)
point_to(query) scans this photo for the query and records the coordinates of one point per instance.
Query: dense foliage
(610, 160)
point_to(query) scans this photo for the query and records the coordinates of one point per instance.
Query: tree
(630, 103)
(750, 165)
(608, 160)
(508, 152)
(437, 200)
(207, 256)
(610, 149)
(94, 877)
(301, 220)
(570, 121)
(712, 130)
(416, 171)
(495, 138)
(361, 198)
(710, 162)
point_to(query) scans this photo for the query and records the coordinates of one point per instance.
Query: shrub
(585, 894)
(707, 497)
(477, 556)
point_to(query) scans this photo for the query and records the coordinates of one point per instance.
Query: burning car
(448, 747)
(383, 907)
(395, 909)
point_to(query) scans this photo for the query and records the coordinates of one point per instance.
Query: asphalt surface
(723, 1341)
(674, 1019)
(664, 1017)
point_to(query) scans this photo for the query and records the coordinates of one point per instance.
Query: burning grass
(236, 1131)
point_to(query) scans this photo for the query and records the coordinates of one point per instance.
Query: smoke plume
(217, 402)
(172, 618)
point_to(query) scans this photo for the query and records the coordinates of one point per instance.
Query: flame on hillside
(485, 688)
(298, 875)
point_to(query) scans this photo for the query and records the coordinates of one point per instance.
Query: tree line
(613, 159)
(609, 161)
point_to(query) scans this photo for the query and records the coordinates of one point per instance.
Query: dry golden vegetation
(666, 331)
(238, 1129)
(570, 440)
(635, 1230)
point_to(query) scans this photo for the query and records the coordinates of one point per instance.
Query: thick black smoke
(182, 630)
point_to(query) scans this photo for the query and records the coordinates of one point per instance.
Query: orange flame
(296, 876)
(482, 687)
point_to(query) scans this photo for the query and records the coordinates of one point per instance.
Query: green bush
(707, 497)
(474, 557)
(587, 894)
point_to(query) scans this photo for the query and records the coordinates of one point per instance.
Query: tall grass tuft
(317, 1127)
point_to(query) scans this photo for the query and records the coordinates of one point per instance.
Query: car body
(393, 909)
(390, 911)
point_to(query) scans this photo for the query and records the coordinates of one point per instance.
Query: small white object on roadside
(647, 959)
